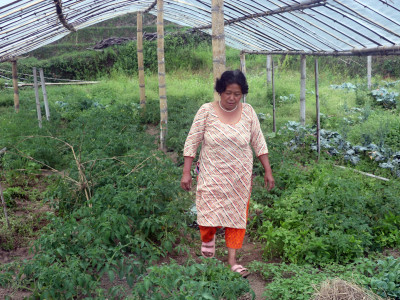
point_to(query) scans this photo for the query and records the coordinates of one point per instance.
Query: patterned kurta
(226, 164)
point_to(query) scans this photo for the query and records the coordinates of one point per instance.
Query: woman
(226, 129)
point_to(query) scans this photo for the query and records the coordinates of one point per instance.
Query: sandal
(241, 270)
(208, 248)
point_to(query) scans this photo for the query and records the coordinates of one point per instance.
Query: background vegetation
(117, 207)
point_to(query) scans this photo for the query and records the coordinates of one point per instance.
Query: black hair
(230, 77)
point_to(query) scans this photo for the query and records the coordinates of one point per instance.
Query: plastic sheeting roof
(361, 27)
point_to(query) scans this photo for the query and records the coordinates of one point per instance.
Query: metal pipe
(301, 5)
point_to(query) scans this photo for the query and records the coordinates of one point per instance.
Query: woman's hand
(269, 181)
(186, 181)
(268, 178)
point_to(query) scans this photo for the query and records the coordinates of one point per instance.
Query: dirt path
(251, 251)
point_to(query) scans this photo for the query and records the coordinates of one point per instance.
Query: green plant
(385, 98)
(287, 99)
(381, 276)
(207, 280)
(18, 234)
(117, 205)
(329, 217)
(12, 193)
(387, 230)
(361, 93)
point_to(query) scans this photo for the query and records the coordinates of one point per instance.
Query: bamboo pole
(46, 103)
(303, 89)
(15, 85)
(4, 206)
(61, 83)
(218, 40)
(139, 39)
(369, 71)
(269, 72)
(273, 98)
(381, 50)
(161, 75)
(243, 69)
(35, 84)
(317, 109)
(363, 173)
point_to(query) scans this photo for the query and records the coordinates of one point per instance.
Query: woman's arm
(193, 140)
(268, 178)
(186, 181)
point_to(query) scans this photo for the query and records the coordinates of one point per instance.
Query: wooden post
(4, 206)
(273, 97)
(35, 84)
(15, 85)
(317, 109)
(243, 69)
(161, 75)
(218, 40)
(302, 89)
(139, 46)
(269, 72)
(369, 70)
(46, 103)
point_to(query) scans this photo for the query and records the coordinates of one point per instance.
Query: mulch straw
(338, 289)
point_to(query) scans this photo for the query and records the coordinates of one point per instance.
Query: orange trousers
(233, 236)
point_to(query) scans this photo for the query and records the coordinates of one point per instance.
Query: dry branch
(363, 173)
(61, 16)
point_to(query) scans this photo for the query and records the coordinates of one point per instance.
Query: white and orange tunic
(226, 165)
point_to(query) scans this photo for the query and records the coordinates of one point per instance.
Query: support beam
(218, 40)
(46, 103)
(288, 8)
(317, 109)
(369, 71)
(139, 45)
(269, 72)
(35, 84)
(15, 85)
(243, 69)
(161, 76)
(303, 89)
(273, 98)
(381, 50)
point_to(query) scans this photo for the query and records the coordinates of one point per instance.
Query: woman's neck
(228, 117)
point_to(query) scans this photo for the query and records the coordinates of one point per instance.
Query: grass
(124, 89)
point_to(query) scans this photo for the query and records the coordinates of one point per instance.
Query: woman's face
(230, 98)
